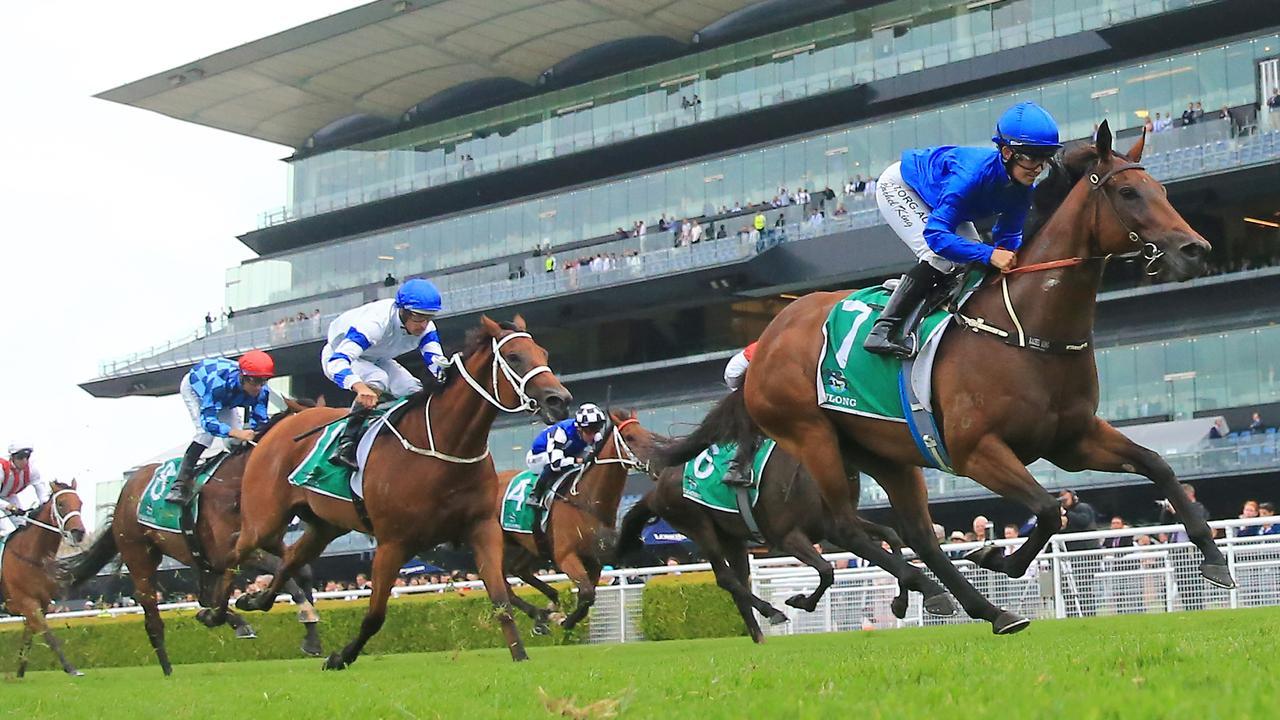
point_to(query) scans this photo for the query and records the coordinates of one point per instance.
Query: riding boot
(184, 486)
(345, 454)
(888, 335)
(539, 495)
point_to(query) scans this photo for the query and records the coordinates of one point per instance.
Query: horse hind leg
(799, 546)
(56, 646)
(585, 578)
(936, 600)
(35, 624)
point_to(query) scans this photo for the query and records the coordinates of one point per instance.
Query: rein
(1148, 250)
(516, 381)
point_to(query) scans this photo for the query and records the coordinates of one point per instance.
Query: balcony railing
(1188, 158)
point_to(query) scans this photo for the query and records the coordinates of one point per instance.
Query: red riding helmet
(257, 364)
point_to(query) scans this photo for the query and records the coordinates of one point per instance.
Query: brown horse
(29, 572)
(1000, 402)
(580, 530)
(217, 524)
(428, 480)
(790, 516)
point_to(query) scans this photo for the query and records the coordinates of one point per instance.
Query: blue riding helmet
(420, 296)
(1029, 129)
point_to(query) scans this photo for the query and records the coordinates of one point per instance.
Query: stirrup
(342, 458)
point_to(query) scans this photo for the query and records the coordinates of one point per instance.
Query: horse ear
(1102, 141)
(491, 327)
(321, 402)
(519, 322)
(1135, 152)
(73, 484)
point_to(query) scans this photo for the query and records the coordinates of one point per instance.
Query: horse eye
(1128, 192)
(513, 358)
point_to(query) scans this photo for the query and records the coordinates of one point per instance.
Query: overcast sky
(118, 223)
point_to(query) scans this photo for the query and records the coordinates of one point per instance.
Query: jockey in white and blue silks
(931, 198)
(363, 344)
(561, 446)
(216, 391)
(16, 475)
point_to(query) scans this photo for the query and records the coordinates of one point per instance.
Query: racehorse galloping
(580, 529)
(790, 516)
(436, 486)
(142, 548)
(28, 571)
(1040, 405)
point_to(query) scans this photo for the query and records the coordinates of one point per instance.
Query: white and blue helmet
(589, 415)
(419, 296)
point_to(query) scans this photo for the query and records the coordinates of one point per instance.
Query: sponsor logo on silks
(835, 381)
(842, 401)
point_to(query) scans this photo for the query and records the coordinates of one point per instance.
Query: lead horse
(429, 478)
(1023, 385)
(29, 572)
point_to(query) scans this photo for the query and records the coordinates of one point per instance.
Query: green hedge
(415, 623)
(681, 607)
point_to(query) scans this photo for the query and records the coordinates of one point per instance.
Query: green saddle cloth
(517, 513)
(703, 478)
(852, 380)
(317, 474)
(156, 512)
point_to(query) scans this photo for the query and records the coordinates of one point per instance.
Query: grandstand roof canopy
(387, 56)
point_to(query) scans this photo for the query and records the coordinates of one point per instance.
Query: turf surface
(1209, 664)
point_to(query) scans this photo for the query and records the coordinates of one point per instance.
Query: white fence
(1066, 580)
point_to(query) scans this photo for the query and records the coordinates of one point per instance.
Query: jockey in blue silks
(363, 345)
(931, 198)
(562, 446)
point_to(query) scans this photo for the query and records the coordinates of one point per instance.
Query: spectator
(1117, 523)
(860, 185)
(1247, 511)
(871, 187)
(1224, 113)
(1010, 533)
(1199, 111)
(695, 233)
(982, 528)
(1169, 515)
(1267, 509)
(231, 312)
(549, 265)
(1148, 125)
(956, 536)
(721, 233)
(759, 222)
(1189, 115)
(662, 223)
(940, 533)
(1255, 423)
(389, 281)
(1080, 517)
(208, 326)
(1273, 109)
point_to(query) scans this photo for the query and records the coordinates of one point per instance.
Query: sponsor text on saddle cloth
(517, 512)
(318, 475)
(156, 512)
(703, 478)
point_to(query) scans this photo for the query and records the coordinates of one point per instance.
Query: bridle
(492, 395)
(1148, 250)
(626, 457)
(58, 518)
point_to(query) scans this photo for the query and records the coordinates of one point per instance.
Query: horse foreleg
(800, 546)
(314, 540)
(585, 581)
(387, 560)
(1107, 449)
(487, 542)
(142, 567)
(859, 541)
(909, 497)
(993, 465)
(24, 649)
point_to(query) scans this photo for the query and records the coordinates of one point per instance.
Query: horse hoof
(245, 632)
(205, 616)
(1008, 623)
(335, 662)
(899, 606)
(75, 673)
(311, 649)
(941, 606)
(245, 603)
(1219, 575)
(541, 629)
(778, 617)
(986, 556)
(798, 602)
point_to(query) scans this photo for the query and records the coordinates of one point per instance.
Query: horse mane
(1064, 172)
(476, 340)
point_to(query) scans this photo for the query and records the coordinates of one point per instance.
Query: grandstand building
(508, 150)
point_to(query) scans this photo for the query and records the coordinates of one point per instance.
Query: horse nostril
(1193, 250)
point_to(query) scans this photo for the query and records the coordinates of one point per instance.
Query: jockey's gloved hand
(441, 374)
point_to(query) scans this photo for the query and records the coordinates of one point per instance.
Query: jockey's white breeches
(536, 462)
(907, 214)
(232, 416)
(384, 375)
(735, 370)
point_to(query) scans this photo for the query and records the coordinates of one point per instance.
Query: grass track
(1202, 665)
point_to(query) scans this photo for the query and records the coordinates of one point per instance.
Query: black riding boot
(541, 487)
(184, 487)
(888, 335)
(345, 454)
(738, 472)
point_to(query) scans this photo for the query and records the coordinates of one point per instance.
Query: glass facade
(1217, 76)
(875, 43)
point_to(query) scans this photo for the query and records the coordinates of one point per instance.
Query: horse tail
(629, 538)
(727, 422)
(81, 567)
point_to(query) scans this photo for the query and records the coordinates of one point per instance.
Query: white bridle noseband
(517, 383)
(58, 517)
(626, 456)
